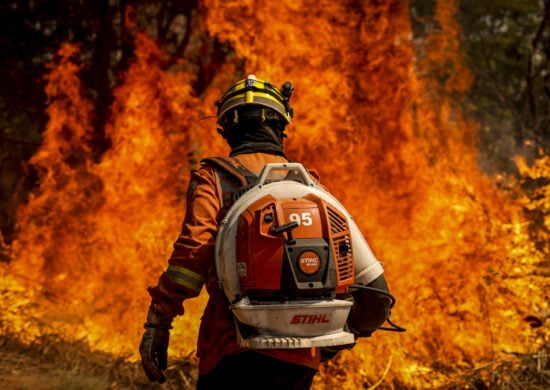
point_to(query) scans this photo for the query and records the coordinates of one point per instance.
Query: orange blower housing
(293, 248)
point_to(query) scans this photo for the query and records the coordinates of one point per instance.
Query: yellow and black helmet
(255, 99)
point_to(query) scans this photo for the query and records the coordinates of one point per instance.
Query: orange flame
(372, 117)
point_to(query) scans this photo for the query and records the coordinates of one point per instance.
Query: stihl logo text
(309, 262)
(310, 319)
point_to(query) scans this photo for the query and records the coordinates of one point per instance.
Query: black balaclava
(253, 136)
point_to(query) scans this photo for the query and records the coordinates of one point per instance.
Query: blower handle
(287, 227)
(299, 168)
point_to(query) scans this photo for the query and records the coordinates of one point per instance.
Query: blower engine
(285, 256)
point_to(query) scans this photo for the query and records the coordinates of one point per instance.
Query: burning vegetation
(381, 123)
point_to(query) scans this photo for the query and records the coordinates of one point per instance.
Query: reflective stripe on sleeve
(185, 277)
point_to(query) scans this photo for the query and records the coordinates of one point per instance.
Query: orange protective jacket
(191, 266)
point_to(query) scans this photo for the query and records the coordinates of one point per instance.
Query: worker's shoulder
(253, 162)
(210, 162)
(313, 173)
(203, 168)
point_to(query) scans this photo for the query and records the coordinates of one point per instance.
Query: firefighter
(253, 115)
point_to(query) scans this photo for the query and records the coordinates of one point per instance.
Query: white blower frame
(289, 324)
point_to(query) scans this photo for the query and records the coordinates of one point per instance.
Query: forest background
(504, 45)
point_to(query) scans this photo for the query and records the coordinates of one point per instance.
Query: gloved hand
(154, 346)
(371, 308)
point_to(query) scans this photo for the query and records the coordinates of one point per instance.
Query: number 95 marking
(302, 219)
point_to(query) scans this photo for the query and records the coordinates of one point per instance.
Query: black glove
(371, 308)
(154, 346)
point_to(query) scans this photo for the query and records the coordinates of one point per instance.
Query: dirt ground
(20, 370)
(69, 366)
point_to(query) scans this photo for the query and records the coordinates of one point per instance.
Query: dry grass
(51, 363)
(514, 372)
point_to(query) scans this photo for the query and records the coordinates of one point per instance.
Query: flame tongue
(93, 228)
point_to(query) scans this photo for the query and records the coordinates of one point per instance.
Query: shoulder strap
(234, 179)
(242, 174)
(234, 167)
